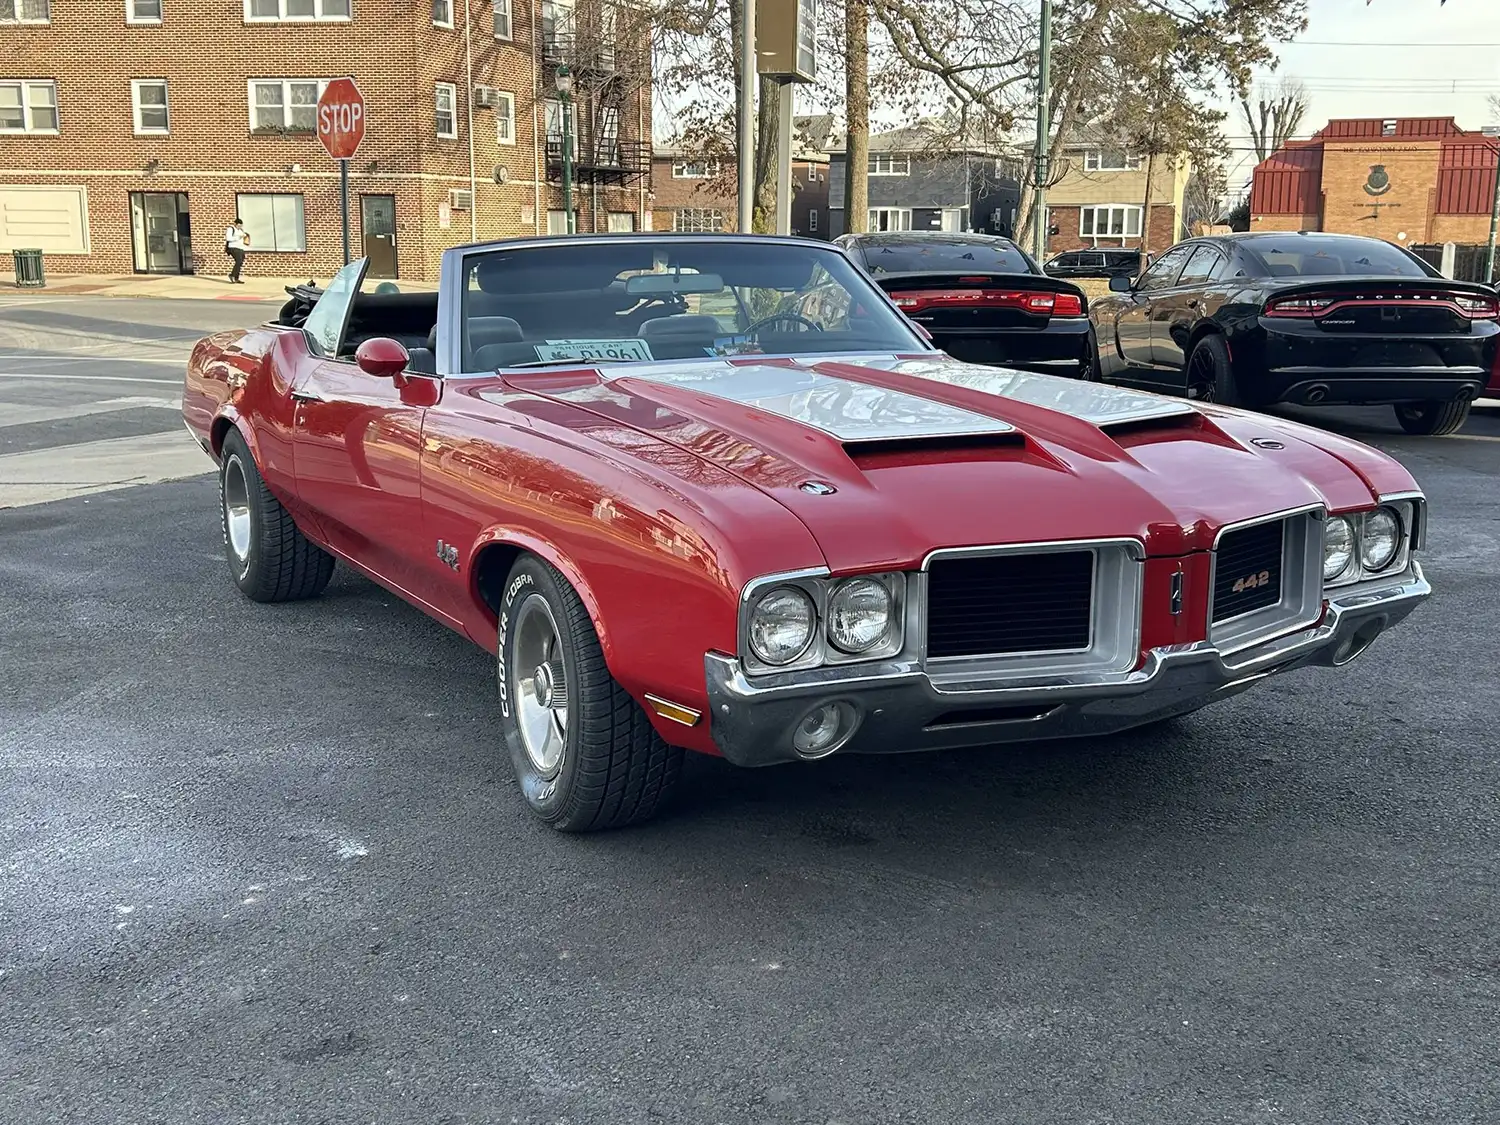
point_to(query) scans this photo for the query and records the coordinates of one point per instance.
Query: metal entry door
(377, 214)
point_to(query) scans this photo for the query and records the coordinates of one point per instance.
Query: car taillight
(1299, 306)
(1048, 304)
(1478, 308)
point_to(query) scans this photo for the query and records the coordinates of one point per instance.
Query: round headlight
(781, 625)
(1381, 539)
(859, 615)
(1338, 547)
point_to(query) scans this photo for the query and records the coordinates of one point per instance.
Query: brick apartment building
(1412, 181)
(133, 131)
(691, 193)
(1100, 197)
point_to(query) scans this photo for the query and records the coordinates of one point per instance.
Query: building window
(505, 117)
(28, 107)
(557, 221)
(698, 220)
(884, 164)
(890, 218)
(442, 13)
(502, 18)
(1109, 221)
(143, 11)
(25, 11)
(1110, 160)
(554, 121)
(275, 223)
(266, 11)
(447, 115)
(148, 97)
(607, 137)
(695, 169)
(285, 105)
(812, 219)
(557, 21)
(621, 222)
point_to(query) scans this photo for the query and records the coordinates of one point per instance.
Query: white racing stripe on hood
(1096, 403)
(848, 410)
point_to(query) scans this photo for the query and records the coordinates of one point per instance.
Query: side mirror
(1120, 283)
(382, 357)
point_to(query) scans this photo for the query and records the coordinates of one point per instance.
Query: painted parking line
(44, 475)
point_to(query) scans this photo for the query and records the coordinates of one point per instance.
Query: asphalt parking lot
(267, 863)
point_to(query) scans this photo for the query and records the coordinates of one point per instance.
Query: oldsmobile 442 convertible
(717, 493)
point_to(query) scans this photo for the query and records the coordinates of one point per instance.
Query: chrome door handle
(300, 395)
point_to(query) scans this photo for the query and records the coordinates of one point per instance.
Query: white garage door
(53, 219)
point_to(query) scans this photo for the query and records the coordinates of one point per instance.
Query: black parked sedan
(1258, 319)
(1099, 262)
(980, 298)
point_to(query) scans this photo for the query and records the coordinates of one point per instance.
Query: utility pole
(747, 118)
(1043, 136)
(1489, 258)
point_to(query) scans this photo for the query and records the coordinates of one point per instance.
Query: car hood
(885, 458)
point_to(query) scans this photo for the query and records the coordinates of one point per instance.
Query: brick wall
(1407, 203)
(1164, 231)
(208, 52)
(1287, 223)
(672, 193)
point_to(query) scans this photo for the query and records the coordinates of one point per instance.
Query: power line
(1352, 43)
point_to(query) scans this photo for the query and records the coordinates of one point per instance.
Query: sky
(1388, 58)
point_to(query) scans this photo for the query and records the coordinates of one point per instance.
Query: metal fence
(1468, 263)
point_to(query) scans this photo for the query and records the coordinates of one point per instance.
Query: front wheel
(1433, 418)
(270, 558)
(584, 753)
(1210, 374)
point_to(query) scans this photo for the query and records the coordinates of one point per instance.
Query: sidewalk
(201, 287)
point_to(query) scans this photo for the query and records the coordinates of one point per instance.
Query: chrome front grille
(1030, 610)
(1249, 569)
(1267, 578)
(1006, 604)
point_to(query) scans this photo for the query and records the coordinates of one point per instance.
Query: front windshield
(1300, 255)
(639, 299)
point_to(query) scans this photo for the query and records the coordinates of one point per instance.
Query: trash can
(29, 272)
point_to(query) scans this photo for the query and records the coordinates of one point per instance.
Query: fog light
(824, 729)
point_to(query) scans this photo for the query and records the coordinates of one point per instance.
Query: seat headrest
(684, 324)
(432, 339)
(493, 330)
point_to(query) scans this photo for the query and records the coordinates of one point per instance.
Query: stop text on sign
(340, 118)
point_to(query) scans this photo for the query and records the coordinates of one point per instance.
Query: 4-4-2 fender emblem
(447, 553)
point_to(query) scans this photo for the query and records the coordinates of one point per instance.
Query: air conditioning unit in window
(486, 97)
(461, 199)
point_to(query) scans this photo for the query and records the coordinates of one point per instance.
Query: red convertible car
(717, 493)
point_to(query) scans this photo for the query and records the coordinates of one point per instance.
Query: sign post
(341, 128)
(786, 48)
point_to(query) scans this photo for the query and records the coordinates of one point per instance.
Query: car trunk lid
(1386, 306)
(955, 302)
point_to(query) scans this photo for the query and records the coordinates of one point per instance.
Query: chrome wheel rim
(539, 685)
(1202, 377)
(237, 509)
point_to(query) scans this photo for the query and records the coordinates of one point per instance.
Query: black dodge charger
(1258, 319)
(980, 298)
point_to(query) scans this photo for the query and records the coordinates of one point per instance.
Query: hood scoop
(874, 453)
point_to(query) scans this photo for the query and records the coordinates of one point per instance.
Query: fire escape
(602, 54)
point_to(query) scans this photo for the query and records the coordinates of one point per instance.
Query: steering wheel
(783, 318)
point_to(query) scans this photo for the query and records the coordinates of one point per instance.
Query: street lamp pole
(1043, 136)
(565, 105)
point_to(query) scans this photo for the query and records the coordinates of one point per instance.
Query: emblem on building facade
(1379, 182)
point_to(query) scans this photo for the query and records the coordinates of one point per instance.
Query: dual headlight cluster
(1362, 545)
(804, 622)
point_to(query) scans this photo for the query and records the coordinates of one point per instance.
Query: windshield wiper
(564, 362)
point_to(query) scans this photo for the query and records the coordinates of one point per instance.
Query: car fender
(550, 552)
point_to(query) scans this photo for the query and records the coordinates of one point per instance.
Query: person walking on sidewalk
(236, 241)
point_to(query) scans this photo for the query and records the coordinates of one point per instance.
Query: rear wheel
(584, 753)
(270, 558)
(1091, 371)
(1210, 375)
(1433, 418)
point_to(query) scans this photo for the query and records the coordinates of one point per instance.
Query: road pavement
(268, 864)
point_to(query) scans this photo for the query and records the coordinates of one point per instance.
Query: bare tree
(1276, 115)
(857, 114)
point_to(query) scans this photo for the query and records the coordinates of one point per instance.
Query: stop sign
(341, 118)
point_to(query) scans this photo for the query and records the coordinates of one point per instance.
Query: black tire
(613, 769)
(1433, 418)
(269, 557)
(1210, 374)
(1091, 370)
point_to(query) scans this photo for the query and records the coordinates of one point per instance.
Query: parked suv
(1095, 263)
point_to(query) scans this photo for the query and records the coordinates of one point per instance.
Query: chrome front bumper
(899, 709)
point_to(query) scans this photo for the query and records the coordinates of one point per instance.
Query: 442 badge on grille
(1252, 582)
